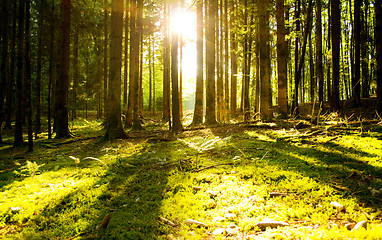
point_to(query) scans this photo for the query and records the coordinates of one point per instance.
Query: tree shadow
(130, 191)
(327, 164)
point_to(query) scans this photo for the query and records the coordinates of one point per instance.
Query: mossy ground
(154, 175)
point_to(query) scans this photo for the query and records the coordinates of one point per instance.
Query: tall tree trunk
(134, 41)
(245, 78)
(133, 66)
(153, 67)
(282, 55)
(265, 70)
(198, 112)
(62, 84)
(12, 70)
(328, 58)
(39, 68)
(311, 70)
(75, 71)
(166, 68)
(365, 50)
(106, 56)
(51, 69)
(210, 61)
(300, 68)
(114, 129)
(296, 57)
(378, 48)
(219, 63)
(356, 86)
(177, 125)
(336, 41)
(233, 105)
(4, 59)
(319, 70)
(126, 60)
(226, 62)
(150, 76)
(28, 88)
(18, 140)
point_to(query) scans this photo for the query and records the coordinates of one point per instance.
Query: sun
(183, 22)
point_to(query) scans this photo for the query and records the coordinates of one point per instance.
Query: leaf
(194, 222)
(271, 224)
(338, 206)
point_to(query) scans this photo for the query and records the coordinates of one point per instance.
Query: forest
(190, 119)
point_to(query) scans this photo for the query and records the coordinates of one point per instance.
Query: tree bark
(106, 56)
(282, 55)
(198, 112)
(114, 129)
(166, 68)
(28, 88)
(378, 47)
(265, 68)
(4, 60)
(356, 87)
(51, 70)
(75, 72)
(233, 105)
(134, 41)
(210, 61)
(62, 84)
(18, 140)
(319, 66)
(39, 68)
(336, 41)
(177, 125)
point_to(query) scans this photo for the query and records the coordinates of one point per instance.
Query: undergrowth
(213, 183)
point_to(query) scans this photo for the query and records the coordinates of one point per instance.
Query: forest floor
(285, 179)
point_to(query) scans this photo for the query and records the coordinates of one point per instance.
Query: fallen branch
(211, 166)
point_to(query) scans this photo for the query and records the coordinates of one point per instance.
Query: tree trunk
(51, 70)
(18, 140)
(75, 72)
(4, 59)
(150, 77)
(365, 50)
(106, 57)
(12, 69)
(233, 105)
(210, 61)
(114, 129)
(296, 57)
(336, 41)
(300, 68)
(378, 48)
(126, 61)
(356, 87)
(39, 68)
(198, 112)
(265, 70)
(166, 69)
(319, 70)
(134, 42)
(62, 84)
(177, 125)
(282, 55)
(246, 60)
(28, 88)
(226, 62)
(133, 67)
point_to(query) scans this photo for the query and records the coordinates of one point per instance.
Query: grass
(229, 178)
